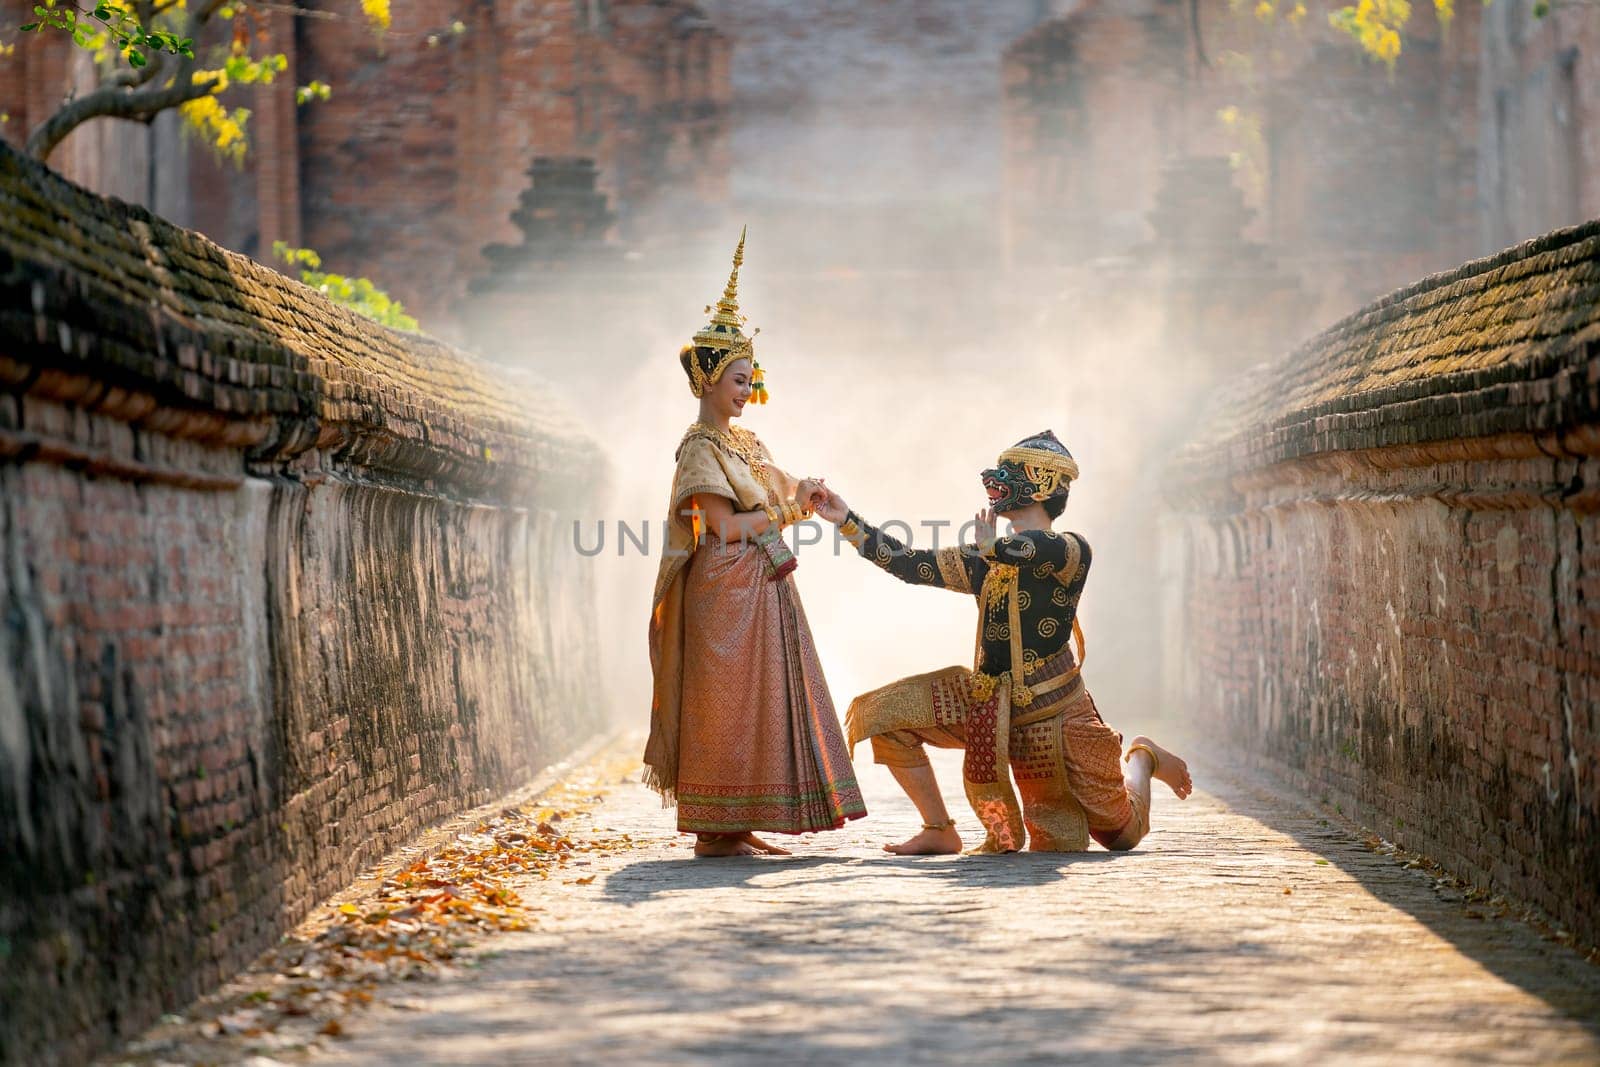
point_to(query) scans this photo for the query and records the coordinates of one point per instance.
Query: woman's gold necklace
(742, 444)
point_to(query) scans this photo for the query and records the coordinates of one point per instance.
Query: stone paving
(1246, 929)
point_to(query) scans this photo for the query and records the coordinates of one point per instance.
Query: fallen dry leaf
(424, 913)
(244, 1021)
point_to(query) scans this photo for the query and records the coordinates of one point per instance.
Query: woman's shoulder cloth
(697, 432)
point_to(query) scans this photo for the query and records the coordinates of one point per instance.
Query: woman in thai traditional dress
(743, 733)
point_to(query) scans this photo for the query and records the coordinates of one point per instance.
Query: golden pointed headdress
(723, 336)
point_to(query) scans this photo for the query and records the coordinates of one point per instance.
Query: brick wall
(280, 588)
(417, 159)
(867, 136)
(1539, 99)
(1484, 134)
(1383, 570)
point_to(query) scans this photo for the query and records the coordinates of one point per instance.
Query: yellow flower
(377, 12)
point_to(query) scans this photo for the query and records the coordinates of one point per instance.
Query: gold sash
(986, 768)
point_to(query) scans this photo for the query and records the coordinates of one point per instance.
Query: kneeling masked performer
(1023, 710)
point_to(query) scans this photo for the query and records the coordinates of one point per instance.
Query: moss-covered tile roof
(95, 287)
(1505, 344)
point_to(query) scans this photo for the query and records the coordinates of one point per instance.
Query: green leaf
(29, 28)
(136, 58)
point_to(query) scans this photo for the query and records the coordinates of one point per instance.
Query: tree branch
(1194, 24)
(134, 77)
(202, 15)
(119, 102)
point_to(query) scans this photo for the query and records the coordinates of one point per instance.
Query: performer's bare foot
(928, 843)
(763, 846)
(1169, 768)
(713, 847)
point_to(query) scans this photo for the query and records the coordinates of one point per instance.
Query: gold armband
(786, 513)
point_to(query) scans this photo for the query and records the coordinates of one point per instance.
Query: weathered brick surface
(1386, 546)
(418, 158)
(280, 588)
(1362, 179)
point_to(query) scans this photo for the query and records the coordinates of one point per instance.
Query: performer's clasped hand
(828, 504)
(810, 492)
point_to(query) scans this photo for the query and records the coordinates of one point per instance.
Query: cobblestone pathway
(1245, 930)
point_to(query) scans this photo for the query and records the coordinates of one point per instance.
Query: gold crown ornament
(1048, 475)
(1037, 468)
(723, 336)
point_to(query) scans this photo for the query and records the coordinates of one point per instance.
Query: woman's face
(732, 390)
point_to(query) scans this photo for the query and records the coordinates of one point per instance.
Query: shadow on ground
(642, 881)
(1509, 949)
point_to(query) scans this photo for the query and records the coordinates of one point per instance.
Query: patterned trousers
(1066, 761)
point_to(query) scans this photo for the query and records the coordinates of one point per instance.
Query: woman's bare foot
(763, 846)
(711, 847)
(928, 843)
(1169, 768)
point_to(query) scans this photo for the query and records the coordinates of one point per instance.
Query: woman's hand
(809, 492)
(832, 507)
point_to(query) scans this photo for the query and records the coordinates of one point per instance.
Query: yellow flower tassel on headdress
(758, 384)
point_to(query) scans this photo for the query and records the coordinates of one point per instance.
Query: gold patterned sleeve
(958, 568)
(1036, 548)
(699, 471)
(783, 483)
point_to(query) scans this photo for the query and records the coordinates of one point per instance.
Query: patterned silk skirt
(759, 741)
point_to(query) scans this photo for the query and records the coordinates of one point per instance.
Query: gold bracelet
(792, 513)
(773, 516)
(849, 530)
